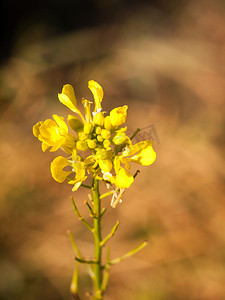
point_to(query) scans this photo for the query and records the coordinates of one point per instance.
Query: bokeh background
(166, 60)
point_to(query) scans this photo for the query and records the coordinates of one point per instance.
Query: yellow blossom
(80, 170)
(111, 151)
(51, 133)
(57, 166)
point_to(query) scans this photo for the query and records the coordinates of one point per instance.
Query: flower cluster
(99, 145)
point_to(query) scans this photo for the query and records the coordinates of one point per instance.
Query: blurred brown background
(165, 59)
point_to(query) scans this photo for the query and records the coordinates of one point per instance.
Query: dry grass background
(170, 71)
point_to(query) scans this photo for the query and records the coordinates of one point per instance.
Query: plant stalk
(97, 241)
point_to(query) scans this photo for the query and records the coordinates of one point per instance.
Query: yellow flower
(80, 170)
(144, 154)
(57, 166)
(104, 159)
(118, 116)
(52, 133)
(77, 166)
(111, 150)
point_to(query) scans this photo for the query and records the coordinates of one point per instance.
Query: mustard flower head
(97, 146)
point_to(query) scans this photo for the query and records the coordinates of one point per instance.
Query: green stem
(110, 234)
(80, 217)
(86, 186)
(97, 241)
(106, 194)
(129, 254)
(135, 133)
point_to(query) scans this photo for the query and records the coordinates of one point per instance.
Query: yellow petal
(61, 123)
(57, 166)
(44, 146)
(68, 90)
(91, 161)
(36, 128)
(75, 123)
(49, 131)
(77, 183)
(80, 169)
(136, 148)
(146, 157)
(97, 92)
(66, 101)
(57, 144)
(68, 98)
(105, 165)
(124, 179)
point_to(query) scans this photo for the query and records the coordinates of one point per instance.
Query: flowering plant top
(98, 146)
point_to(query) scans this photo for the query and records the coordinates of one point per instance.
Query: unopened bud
(98, 119)
(98, 130)
(106, 143)
(107, 123)
(82, 136)
(91, 144)
(82, 146)
(105, 134)
(88, 128)
(100, 138)
(101, 154)
(118, 116)
(120, 138)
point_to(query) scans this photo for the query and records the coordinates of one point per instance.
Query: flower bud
(82, 146)
(82, 136)
(106, 143)
(101, 154)
(100, 138)
(118, 116)
(107, 123)
(98, 119)
(91, 144)
(105, 134)
(120, 138)
(98, 130)
(88, 128)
